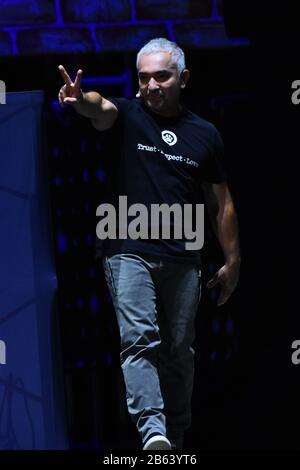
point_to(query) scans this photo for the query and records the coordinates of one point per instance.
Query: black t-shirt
(156, 160)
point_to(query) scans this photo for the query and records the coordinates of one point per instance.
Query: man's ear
(184, 76)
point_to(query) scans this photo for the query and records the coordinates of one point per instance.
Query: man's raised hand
(71, 92)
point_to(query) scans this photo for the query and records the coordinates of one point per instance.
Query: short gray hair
(164, 45)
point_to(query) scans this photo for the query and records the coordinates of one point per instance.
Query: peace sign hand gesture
(71, 92)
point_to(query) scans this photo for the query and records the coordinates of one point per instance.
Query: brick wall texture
(85, 26)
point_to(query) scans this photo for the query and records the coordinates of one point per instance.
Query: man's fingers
(224, 296)
(212, 282)
(70, 100)
(65, 75)
(77, 83)
(62, 95)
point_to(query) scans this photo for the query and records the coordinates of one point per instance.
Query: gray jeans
(156, 302)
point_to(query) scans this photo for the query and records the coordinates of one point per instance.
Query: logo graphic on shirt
(169, 137)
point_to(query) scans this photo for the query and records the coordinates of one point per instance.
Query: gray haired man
(166, 154)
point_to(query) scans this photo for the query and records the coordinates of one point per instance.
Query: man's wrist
(81, 96)
(80, 99)
(233, 261)
(79, 102)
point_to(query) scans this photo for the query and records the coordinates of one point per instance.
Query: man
(165, 154)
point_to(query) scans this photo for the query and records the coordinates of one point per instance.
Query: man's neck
(174, 112)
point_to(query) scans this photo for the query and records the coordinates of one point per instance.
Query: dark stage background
(246, 386)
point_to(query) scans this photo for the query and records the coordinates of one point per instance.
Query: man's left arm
(224, 221)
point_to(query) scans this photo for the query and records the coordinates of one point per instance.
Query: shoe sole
(157, 443)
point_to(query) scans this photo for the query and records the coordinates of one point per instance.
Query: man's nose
(152, 84)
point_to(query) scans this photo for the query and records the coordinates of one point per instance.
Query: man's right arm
(100, 111)
(92, 105)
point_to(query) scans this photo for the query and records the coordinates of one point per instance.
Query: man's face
(159, 82)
